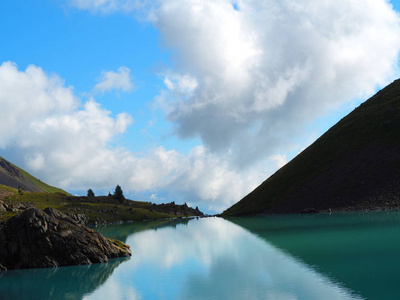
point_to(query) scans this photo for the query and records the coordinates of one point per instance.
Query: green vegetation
(97, 209)
(354, 165)
(22, 190)
(44, 186)
(118, 194)
(90, 193)
(119, 243)
(8, 189)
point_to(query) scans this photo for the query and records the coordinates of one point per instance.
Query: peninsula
(44, 226)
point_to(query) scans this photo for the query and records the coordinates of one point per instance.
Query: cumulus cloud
(182, 84)
(26, 97)
(42, 118)
(267, 68)
(257, 71)
(68, 143)
(119, 80)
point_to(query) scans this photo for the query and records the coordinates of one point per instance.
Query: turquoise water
(338, 256)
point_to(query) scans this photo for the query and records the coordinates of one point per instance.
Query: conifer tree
(118, 194)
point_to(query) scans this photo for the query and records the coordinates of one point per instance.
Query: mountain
(12, 176)
(355, 165)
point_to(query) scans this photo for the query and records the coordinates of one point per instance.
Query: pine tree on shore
(118, 194)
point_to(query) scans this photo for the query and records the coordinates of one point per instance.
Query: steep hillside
(12, 176)
(354, 165)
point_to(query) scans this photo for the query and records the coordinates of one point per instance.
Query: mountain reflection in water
(212, 259)
(63, 283)
(343, 256)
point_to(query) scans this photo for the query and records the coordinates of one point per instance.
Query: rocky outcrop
(177, 210)
(49, 238)
(3, 206)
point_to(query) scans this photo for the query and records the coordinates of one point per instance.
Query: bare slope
(12, 176)
(354, 165)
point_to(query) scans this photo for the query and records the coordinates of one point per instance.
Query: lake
(338, 256)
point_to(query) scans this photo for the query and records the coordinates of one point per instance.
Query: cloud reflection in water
(213, 259)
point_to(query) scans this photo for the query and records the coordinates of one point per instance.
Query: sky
(195, 101)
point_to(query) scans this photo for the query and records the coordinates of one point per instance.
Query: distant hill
(15, 177)
(355, 165)
(88, 210)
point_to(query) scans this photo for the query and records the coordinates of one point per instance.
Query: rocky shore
(49, 238)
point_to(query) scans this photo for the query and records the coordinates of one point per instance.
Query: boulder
(49, 238)
(3, 206)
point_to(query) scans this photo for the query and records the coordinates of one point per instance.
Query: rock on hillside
(355, 165)
(49, 238)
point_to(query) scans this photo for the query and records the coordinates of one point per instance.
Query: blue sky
(186, 101)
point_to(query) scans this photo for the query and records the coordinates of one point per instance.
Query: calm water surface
(339, 256)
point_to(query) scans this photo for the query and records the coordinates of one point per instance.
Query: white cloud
(110, 80)
(68, 145)
(210, 180)
(274, 65)
(280, 160)
(268, 64)
(182, 84)
(43, 120)
(26, 97)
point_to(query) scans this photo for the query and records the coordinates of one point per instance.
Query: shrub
(90, 193)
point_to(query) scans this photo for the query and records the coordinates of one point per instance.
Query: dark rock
(81, 218)
(3, 206)
(176, 210)
(49, 238)
(309, 211)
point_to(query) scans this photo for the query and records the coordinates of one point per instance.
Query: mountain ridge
(355, 165)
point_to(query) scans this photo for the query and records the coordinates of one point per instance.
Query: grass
(44, 186)
(97, 209)
(118, 243)
(8, 189)
(94, 208)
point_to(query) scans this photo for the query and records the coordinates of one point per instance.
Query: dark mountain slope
(12, 176)
(354, 165)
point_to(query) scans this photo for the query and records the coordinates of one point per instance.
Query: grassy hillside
(42, 185)
(91, 210)
(354, 165)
